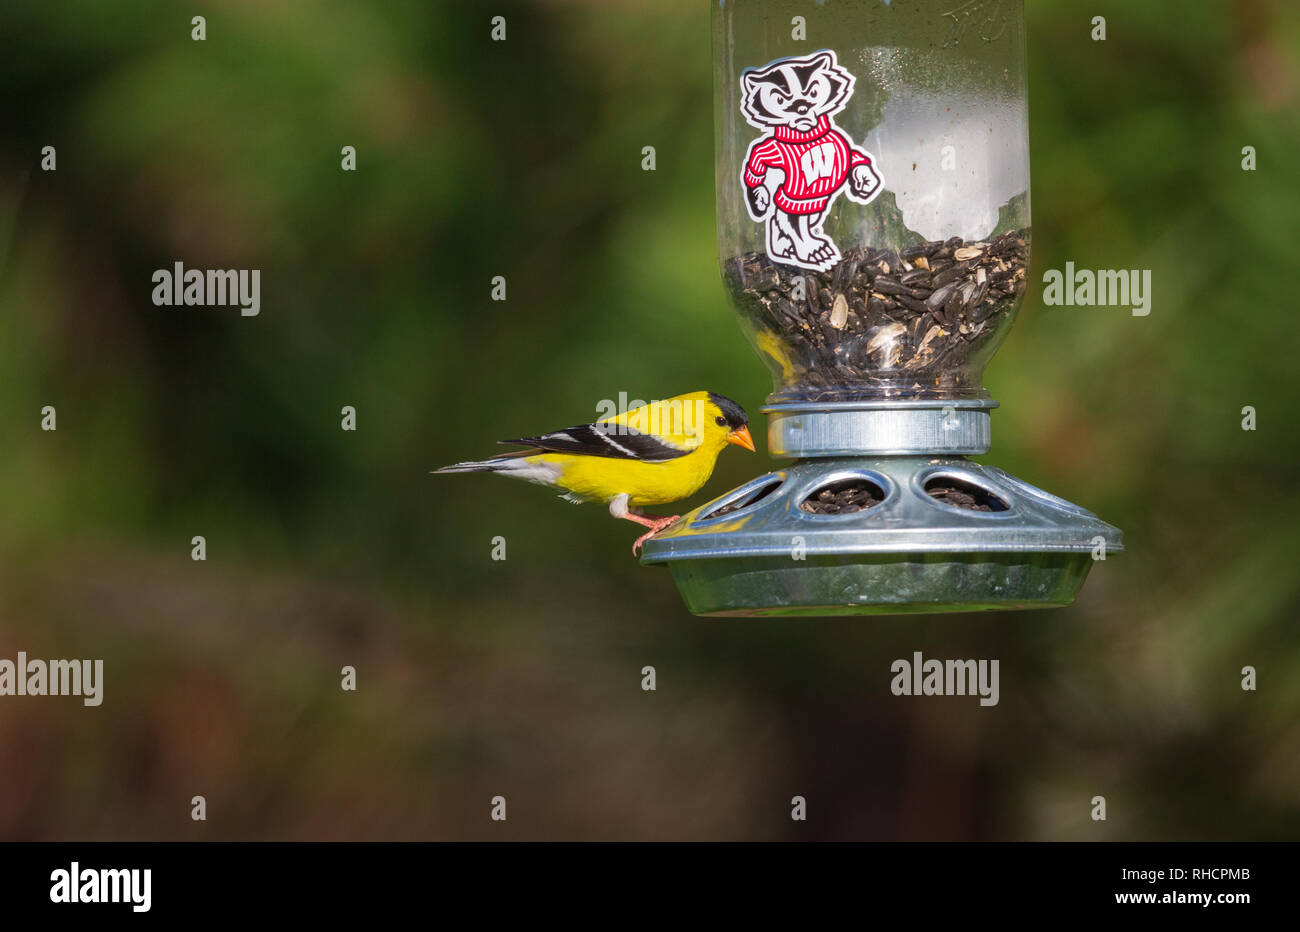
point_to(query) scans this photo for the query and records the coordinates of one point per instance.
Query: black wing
(611, 440)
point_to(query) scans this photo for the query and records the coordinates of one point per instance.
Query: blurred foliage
(522, 677)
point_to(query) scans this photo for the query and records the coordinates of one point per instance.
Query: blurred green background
(522, 678)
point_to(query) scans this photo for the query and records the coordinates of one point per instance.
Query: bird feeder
(872, 173)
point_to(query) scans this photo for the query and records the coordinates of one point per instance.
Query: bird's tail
(495, 464)
(481, 466)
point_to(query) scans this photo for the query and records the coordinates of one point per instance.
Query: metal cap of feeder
(889, 427)
(874, 237)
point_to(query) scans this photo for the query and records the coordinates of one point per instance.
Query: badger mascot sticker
(794, 171)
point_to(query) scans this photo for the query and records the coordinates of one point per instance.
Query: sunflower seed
(884, 338)
(940, 295)
(953, 273)
(914, 304)
(840, 312)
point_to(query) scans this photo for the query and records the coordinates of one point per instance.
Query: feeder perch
(874, 236)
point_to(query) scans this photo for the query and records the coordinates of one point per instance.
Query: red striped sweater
(815, 164)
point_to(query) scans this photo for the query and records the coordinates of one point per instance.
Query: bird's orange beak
(740, 437)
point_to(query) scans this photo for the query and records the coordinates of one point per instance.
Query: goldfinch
(652, 455)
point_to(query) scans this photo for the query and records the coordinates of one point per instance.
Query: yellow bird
(652, 455)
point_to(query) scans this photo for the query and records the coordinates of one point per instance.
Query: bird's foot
(655, 526)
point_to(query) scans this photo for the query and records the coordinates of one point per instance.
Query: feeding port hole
(960, 494)
(843, 497)
(752, 497)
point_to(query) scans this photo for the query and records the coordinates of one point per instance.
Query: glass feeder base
(882, 535)
(880, 584)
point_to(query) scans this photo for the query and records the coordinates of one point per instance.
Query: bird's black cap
(734, 413)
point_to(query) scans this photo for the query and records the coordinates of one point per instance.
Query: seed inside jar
(882, 322)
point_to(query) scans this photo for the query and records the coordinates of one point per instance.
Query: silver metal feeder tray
(910, 553)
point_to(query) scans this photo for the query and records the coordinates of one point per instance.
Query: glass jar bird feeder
(872, 173)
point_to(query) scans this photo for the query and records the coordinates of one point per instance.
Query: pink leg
(654, 524)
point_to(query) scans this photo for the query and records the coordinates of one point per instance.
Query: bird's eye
(720, 421)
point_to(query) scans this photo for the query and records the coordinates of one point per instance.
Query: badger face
(795, 92)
